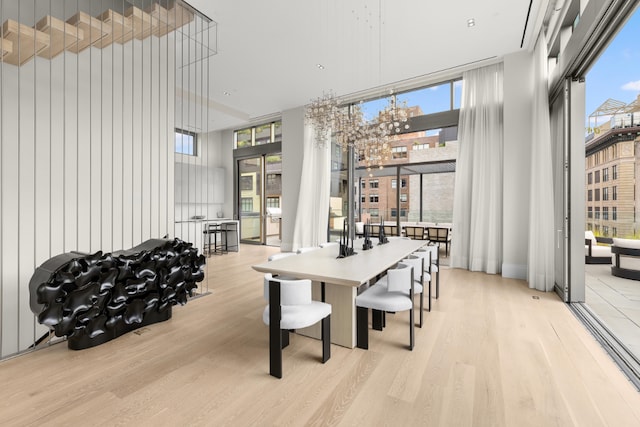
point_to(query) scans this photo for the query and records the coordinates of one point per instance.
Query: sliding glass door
(250, 191)
(260, 199)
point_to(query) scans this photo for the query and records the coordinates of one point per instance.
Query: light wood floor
(489, 355)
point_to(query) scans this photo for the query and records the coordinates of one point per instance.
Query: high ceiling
(269, 51)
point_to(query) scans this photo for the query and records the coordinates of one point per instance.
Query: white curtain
(477, 205)
(540, 273)
(312, 216)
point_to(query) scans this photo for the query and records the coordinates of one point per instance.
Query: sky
(616, 73)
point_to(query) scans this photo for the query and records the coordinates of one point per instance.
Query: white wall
(226, 155)
(86, 163)
(292, 156)
(518, 104)
(200, 185)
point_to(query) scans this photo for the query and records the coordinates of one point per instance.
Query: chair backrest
(359, 227)
(443, 233)
(391, 230)
(432, 232)
(292, 291)
(280, 255)
(410, 231)
(427, 253)
(374, 230)
(307, 249)
(588, 235)
(417, 263)
(400, 278)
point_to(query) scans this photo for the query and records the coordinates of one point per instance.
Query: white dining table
(338, 279)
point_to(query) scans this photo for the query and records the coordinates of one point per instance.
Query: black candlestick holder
(367, 244)
(346, 244)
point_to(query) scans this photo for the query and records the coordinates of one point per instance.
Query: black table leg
(275, 336)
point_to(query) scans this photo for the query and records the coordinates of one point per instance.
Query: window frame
(193, 144)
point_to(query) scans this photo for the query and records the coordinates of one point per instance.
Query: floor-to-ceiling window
(410, 177)
(594, 84)
(612, 154)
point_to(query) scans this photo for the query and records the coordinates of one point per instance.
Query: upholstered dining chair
(420, 275)
(395, 294)
(432, 251)
(291, 307)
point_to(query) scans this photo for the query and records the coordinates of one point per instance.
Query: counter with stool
(224, 234)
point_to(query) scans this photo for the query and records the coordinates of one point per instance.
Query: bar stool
(217, 248)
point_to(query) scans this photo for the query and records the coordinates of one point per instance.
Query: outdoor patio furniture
(627, 253)
(594, 253)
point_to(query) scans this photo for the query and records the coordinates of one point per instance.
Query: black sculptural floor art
(92, 299)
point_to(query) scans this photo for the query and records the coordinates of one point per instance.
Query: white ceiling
(268, 51)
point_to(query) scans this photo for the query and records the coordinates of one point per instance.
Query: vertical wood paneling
(10, 212)
(105, 225)
(118, 147)
(96, 161)
(26, 201)
(145, 139)
(136, 144)
(127, 144)
(70, 166)
(84, 141)
(57, 157)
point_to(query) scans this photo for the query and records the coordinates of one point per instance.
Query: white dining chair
(433, 251)
(393, 295)
(291, 307)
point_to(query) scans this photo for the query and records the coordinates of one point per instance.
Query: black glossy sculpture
(92, 299)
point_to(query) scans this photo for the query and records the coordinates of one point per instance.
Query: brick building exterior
(612, 162)
(378, 194)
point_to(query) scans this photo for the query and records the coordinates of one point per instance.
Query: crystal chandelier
(394, 119)
(375, 152)
(322, 114)
(350, 128)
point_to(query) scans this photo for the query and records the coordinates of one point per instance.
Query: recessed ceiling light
(471, 22)
(226, 93)
(320, 66)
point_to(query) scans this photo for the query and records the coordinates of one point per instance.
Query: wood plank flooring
(488, 355)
